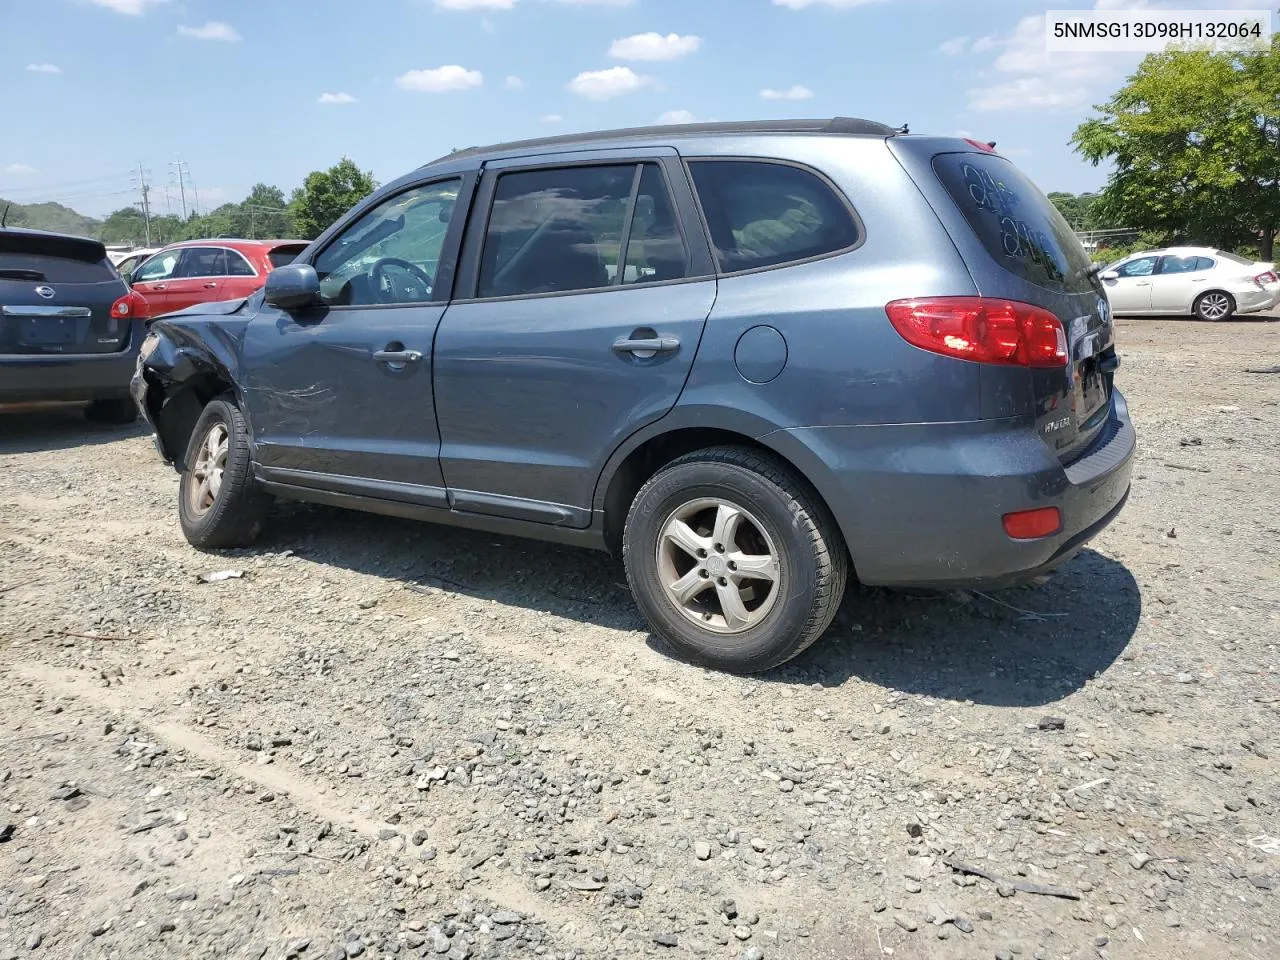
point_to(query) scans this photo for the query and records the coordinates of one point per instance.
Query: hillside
(50, 216)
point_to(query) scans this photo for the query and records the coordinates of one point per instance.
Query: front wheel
(219, 505)
(1214, 305)
(734, 563)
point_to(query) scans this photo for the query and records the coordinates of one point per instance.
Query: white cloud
(43, 68)
(953, 46)
(440, 79)
(551, 118)
(654, 46)
(19, 169)
(1028, 93)
(604, 84)
(130, 8)
(330, 98)
(513, 83)
(794, 92)
(835, 4)
(676, 116)
(211, 30)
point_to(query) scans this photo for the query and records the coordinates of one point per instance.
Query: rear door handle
(210, 286)
(160, 286)
(1143, 283)
(647, 345)
(397, 356)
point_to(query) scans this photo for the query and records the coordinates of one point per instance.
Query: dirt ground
(390, 739)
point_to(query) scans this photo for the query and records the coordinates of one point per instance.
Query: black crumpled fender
(189, 358)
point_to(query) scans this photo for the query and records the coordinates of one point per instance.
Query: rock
(915, 830)
(65, 792)
(295, 948)
(167, 926)
(666, 940)
(729, 908)
(963, 924)
(419, 837)
(742, 932)
(1139, 860)
(1235, 806)
(181, 894)
(6, 831)
(98, 929)
(354, 948)
(506, 917)
(912, 887)
(438, 942)
(751, 953)
(906, 923)
(34, 941)
(938, 915)
(759, 845)
(702, 850)
(1006, 889)
(1052, 723)
(1004, 955)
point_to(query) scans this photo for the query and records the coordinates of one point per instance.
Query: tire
(118, 411)
(1209, 306)
(774, 620)
(229, 510)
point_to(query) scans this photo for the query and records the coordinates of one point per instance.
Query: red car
(198, 271)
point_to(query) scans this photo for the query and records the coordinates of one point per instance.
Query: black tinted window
(283, 255)
(237, 265)
(46, 269)
(655, 250)
(555, 230)
(765, 214)
(203, 262)
(1017, 224)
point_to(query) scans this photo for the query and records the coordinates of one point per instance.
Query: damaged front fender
(188, 359)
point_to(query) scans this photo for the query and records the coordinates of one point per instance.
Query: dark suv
(753, 358)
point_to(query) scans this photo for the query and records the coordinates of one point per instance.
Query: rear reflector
(982, 329)
(132, 306)
(1033, 524)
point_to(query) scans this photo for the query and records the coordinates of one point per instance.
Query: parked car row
(71, 324)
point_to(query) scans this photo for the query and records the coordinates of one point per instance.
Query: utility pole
(146, 201)
(180, 166)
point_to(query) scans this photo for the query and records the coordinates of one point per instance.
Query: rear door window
(1022, 231)
(765, 214)
(1172, 264)
(203, 262)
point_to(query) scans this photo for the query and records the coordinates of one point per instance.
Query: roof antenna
(903, 130)
(5, 219)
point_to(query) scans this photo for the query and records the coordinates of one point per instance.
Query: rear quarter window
(766, 214)
(280, 256)
(1022, 231)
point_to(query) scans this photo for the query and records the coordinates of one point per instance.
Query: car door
(1177, 283)
(1130, 291)
(339, 396)
(581, 300)
(242, 277)
(154, 278)
(199, 278)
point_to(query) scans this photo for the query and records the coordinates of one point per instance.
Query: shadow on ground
(951, 646)
(34, 428)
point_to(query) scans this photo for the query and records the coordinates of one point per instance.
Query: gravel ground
(389, 739)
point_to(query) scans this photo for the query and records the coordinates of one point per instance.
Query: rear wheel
(733, 562)
(1214, 305)
(116, 410)
(219, 505)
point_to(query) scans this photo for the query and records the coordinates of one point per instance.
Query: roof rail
(845, 126)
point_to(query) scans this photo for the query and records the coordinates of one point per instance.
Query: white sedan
(1206, 283)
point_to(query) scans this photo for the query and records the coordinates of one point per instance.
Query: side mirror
(292, 287)
(1110, 275)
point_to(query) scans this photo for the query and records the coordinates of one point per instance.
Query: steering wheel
(384, 283)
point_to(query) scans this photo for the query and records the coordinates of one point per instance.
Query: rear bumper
(104, 376)
(920, 505)
(1254, 301)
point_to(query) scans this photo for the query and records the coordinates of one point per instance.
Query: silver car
(1200, 281)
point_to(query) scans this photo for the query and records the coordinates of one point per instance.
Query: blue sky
(267, 90)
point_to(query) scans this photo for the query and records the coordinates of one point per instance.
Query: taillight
(132, 306)
(1033, 524)
(1265, 278)
(982, 329)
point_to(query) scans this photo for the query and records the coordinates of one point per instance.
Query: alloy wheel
(1215, 306)
(208, 469)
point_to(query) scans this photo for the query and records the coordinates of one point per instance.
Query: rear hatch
(56, 295)
(1026, 251)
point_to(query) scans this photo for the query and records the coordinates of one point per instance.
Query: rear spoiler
(34, 243)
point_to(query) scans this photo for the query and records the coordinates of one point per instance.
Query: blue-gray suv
(752, 358)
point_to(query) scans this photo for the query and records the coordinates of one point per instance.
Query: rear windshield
(45, 269)
(283, 255)
(1234, 259)
(1017, 224)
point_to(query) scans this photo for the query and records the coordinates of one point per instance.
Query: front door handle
(648, 346)
(160, 286)
(210, 286)
(397, 356)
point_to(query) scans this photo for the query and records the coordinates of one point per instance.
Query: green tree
(125, 225)
(264, 213)
(326, 195)
(1194, 140)
(1079, 209)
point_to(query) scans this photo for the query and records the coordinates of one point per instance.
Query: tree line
(265, 213)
